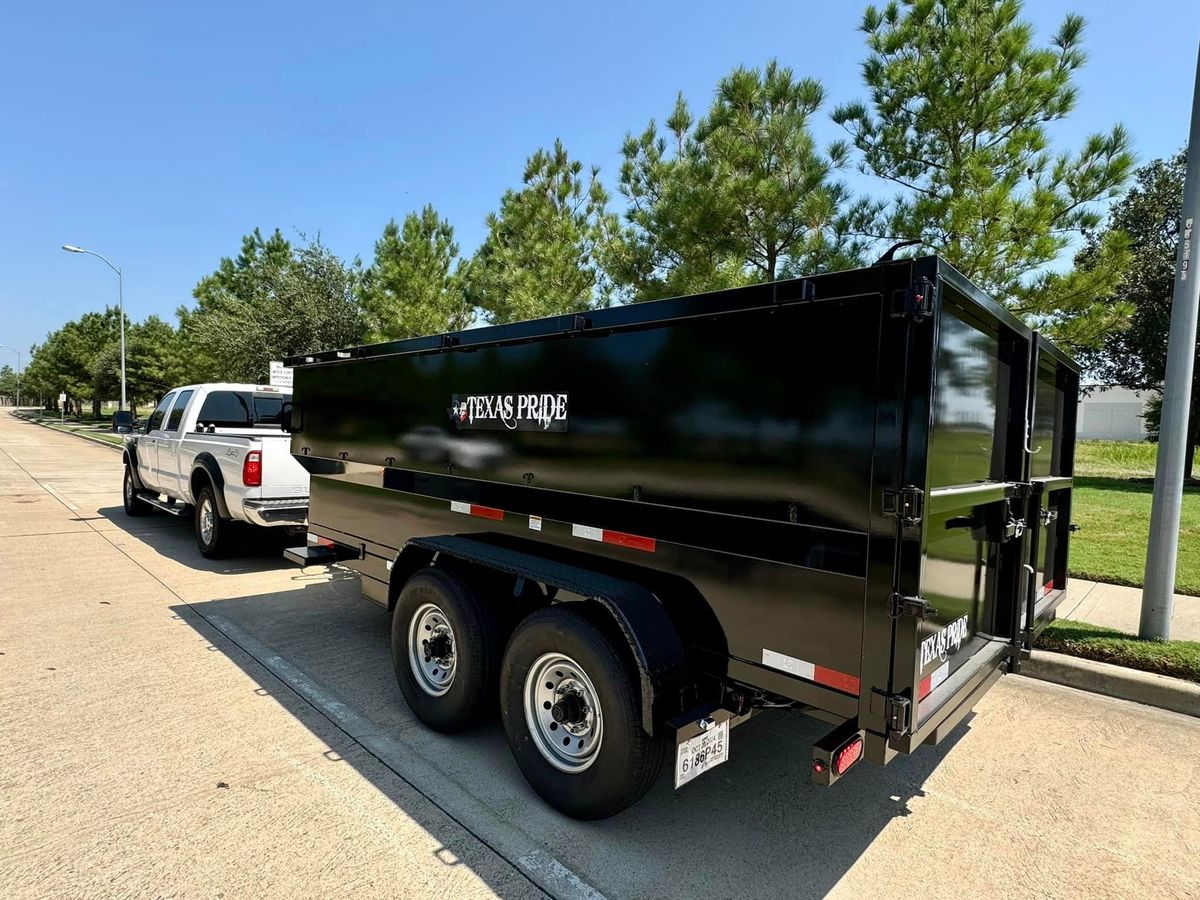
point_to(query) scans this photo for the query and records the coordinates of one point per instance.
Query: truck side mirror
(291, 417)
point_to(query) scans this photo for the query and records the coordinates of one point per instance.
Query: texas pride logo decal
(510, 412)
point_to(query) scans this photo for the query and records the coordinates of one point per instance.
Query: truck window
(176, 416)
(241, 409)
(269, 410)
(156, 417)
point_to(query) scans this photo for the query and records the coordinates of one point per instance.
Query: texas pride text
(514, 412)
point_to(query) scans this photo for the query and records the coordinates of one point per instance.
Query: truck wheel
(572, 713)
(446, 646)
(134, 505)
(214, 536)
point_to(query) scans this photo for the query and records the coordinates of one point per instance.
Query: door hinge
(911, 606)
(906, 504)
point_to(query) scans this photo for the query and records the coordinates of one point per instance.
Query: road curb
(1173, 694)
(86, 437)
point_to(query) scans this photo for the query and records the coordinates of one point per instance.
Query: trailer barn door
(973, 503)
(1053, 407)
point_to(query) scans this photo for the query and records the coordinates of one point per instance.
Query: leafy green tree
(66, 360)
(1136, 357)
(541, 256)
(961, 98)
(273, 301)
(742, 195)
(8, 383)
(415, 285)
(235, 279)
(155, 362)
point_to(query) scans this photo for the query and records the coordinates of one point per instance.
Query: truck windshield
(241, 409)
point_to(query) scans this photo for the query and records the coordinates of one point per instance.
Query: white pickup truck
(217, 451)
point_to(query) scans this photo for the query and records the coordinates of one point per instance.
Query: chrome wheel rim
(207, 521)
(128, 489)
(562, 711)
(431, 649)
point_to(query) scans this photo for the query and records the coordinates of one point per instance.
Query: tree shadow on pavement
(755, 827)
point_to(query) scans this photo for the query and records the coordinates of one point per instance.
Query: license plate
(697, 755)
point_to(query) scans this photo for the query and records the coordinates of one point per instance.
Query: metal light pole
(1158, 597)
(18, 352)
(120, 303)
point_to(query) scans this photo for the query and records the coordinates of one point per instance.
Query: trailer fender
(652, 638)
(205, 466)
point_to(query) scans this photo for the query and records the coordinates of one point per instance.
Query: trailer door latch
(915, 301)
(906, 504)
(917, 607)
(899, 712)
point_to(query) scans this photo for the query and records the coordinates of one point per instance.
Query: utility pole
(1158, 597)
(70, 248)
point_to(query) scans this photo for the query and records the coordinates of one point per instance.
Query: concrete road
(171, 726)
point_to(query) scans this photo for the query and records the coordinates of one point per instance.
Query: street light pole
(120, 304)
(18, 352)
(1158, 596)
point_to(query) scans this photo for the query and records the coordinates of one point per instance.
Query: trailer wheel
(134, 505)
(571, 710)
(446, 645)
(215, 537)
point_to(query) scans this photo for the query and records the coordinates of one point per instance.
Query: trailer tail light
(252, 469)
(847, 756)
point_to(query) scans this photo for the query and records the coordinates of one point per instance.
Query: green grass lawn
(1112, 507)
(1179, 659)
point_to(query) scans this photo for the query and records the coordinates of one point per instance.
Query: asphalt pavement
(176, 727)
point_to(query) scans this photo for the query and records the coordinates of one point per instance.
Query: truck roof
(231, 386)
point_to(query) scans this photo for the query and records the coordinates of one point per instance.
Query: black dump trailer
(847, 495)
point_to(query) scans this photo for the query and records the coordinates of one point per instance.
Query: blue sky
(159, 133)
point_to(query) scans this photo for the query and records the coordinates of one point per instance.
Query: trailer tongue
(847, 494)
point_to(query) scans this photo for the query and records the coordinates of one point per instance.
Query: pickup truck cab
(219, 452)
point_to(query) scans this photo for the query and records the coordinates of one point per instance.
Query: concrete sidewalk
(1118, 606)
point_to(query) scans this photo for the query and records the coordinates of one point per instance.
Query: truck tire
(446, 648)
(215, 536)
(572, 714)
(134, 505)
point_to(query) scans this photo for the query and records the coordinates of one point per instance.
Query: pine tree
(739, 196)
(960, 100)
(541, 256)
(416, 284)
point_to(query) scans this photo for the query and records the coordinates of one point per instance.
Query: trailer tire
(437, 605)
(215, 537)
(134, 504)
(608, 762)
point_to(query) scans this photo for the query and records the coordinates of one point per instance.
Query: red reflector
(1047, 587)
(835, 679)
(252, 469)
(847, 756)
(927, 685)
(486, 512)
(818, 766)
(633, 541)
